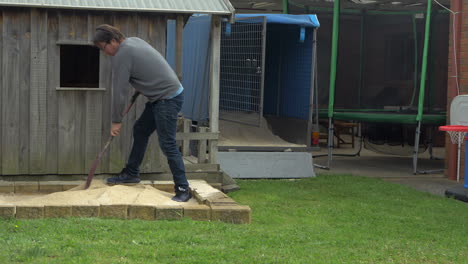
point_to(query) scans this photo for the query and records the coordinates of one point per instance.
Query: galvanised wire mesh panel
(242, 71)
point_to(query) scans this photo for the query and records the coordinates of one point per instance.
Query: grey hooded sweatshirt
(139, 64)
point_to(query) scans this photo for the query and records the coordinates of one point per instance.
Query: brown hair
(106, 33)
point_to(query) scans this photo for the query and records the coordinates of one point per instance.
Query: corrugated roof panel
(168, 6)
(277, 5)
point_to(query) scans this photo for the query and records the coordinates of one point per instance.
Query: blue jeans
(160, 116)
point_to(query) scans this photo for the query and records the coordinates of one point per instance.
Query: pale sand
(98, 193)
(236, 134)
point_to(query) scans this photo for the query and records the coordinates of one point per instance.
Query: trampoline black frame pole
(362, 55)
(416, 66)
(416, 148)
(333, 64)
(331, 91)
(422, 86)
(427, 32)
(285, 7)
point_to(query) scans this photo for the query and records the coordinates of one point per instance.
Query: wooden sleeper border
(213, 205)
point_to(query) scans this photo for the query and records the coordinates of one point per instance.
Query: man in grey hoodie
(136, 63)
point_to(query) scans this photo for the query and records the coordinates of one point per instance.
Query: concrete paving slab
(396, 169)
(433, 185)
(267, 164)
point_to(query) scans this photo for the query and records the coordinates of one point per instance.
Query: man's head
(108, 39)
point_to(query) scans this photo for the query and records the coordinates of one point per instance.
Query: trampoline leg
(361, 139)
(330, 147)
(431, 156)
(321, 167)
(358, 152)
(430, 144)
(416, 148)
(416, 152)
(330, 141)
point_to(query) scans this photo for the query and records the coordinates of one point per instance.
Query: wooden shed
(55, 87)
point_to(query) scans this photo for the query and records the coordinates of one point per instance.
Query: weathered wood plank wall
(2, 141)
(157, 38)
(49, 131)
(120, 148)
(148, 29)
(53, 81)
(24, 85)
(71, 104)
(105, 81)
(94, 109)
(12, 31)
(38, 92)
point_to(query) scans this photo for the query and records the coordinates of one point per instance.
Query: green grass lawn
(328, 219)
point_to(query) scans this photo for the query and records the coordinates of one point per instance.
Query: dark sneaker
(123, 177)
(182, 195)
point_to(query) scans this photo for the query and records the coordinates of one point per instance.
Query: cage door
(242, 70)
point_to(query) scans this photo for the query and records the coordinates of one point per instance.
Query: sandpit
(97, 194)
(139, 201)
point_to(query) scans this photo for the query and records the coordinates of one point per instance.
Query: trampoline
(390, 117)
(408, 91)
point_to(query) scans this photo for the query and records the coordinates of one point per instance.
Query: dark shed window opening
(79, 66)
